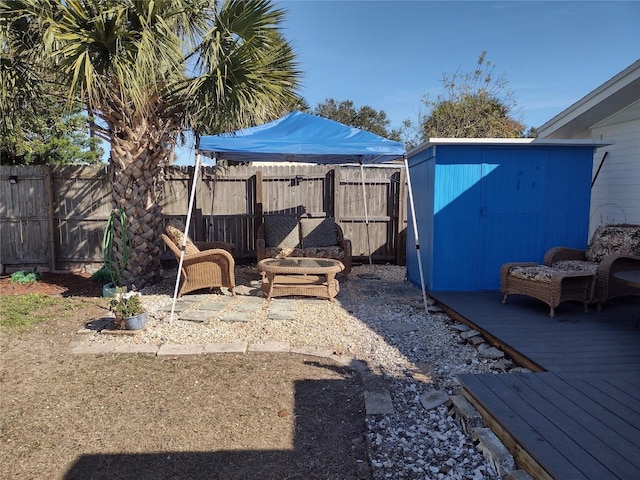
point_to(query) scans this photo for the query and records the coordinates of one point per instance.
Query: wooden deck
(579, 417)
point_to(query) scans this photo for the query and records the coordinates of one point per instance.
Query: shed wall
(482, 206)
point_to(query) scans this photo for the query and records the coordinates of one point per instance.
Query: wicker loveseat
(205, 265)
(613, 248)
(282, 236)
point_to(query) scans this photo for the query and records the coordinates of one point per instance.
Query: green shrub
(103, 275)
(24, 277)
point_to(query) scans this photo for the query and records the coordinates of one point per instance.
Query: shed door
(512, 220)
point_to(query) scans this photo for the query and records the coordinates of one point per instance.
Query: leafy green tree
(474, 104)
(148, 70)
(36, 126)
(50, 138)
(364, 118)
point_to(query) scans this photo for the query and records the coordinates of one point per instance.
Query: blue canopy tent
(300, 137)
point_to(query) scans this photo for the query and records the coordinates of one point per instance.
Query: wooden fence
(53, 218)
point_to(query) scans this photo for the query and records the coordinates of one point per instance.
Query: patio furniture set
(302, 256)
(587, 276)
(296, 256)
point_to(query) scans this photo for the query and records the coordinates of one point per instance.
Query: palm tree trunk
(137, 175)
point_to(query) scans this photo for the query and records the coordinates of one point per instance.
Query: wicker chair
(211, 267)
(613, 248)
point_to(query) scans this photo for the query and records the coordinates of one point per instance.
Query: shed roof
(546, 142)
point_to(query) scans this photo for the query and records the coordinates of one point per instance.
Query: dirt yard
(227, 416)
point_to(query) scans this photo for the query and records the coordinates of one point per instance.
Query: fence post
(402, 218)
(258, 198)
(337, 212)
(47, 180)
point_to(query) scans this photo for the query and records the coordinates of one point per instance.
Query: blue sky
(388, 54)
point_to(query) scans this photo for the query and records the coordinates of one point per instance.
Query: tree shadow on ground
(329, 443)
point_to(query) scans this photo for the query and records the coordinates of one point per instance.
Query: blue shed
(480, 203)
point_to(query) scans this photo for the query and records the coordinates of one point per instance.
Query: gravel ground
(377, 318)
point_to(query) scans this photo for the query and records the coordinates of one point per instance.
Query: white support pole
(415, 236)
(366, 213)
(184, 236)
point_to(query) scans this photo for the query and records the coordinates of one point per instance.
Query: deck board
(580, 418)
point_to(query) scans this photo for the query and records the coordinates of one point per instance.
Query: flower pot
(136, 322)
(109, 290)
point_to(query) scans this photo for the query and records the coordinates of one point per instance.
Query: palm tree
(149, 70)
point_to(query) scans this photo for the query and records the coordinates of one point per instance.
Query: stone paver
(171, 349)
(281, 315)
(378, 403)
(180, 307)
(213, 306)
(230, 347)
(247, 307)
(433, 398)
(289, 303)
(236, 317)
(137, 348)
(493, 450)
(198, 316)
(281, 347)
(204, 297)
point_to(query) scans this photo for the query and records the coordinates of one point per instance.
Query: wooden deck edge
(516, 356)
(522, 458)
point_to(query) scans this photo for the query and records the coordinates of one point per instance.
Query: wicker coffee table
(312, 277)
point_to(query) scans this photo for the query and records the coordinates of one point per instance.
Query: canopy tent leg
(415, 235)
(184, 236)
(366, 213)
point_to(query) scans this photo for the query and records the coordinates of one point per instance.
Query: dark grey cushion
(318, 232)
(281, 231)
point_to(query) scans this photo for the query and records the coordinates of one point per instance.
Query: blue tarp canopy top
(299, 137)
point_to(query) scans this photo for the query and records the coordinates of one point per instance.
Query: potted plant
(128, 310)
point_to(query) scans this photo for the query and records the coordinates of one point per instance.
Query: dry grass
(227, 416)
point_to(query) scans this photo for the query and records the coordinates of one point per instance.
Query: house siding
(615, 196)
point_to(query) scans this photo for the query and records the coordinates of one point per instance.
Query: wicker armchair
(208, 268)
(613, 248)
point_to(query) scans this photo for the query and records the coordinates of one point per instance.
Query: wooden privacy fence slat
(54, 217)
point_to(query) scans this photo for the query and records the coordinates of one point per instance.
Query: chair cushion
(318, 232)
(613, 239)
(335, 252)
(577, 266)
(175, 230)
(277, 252)
(281, 231)
(535, 273)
